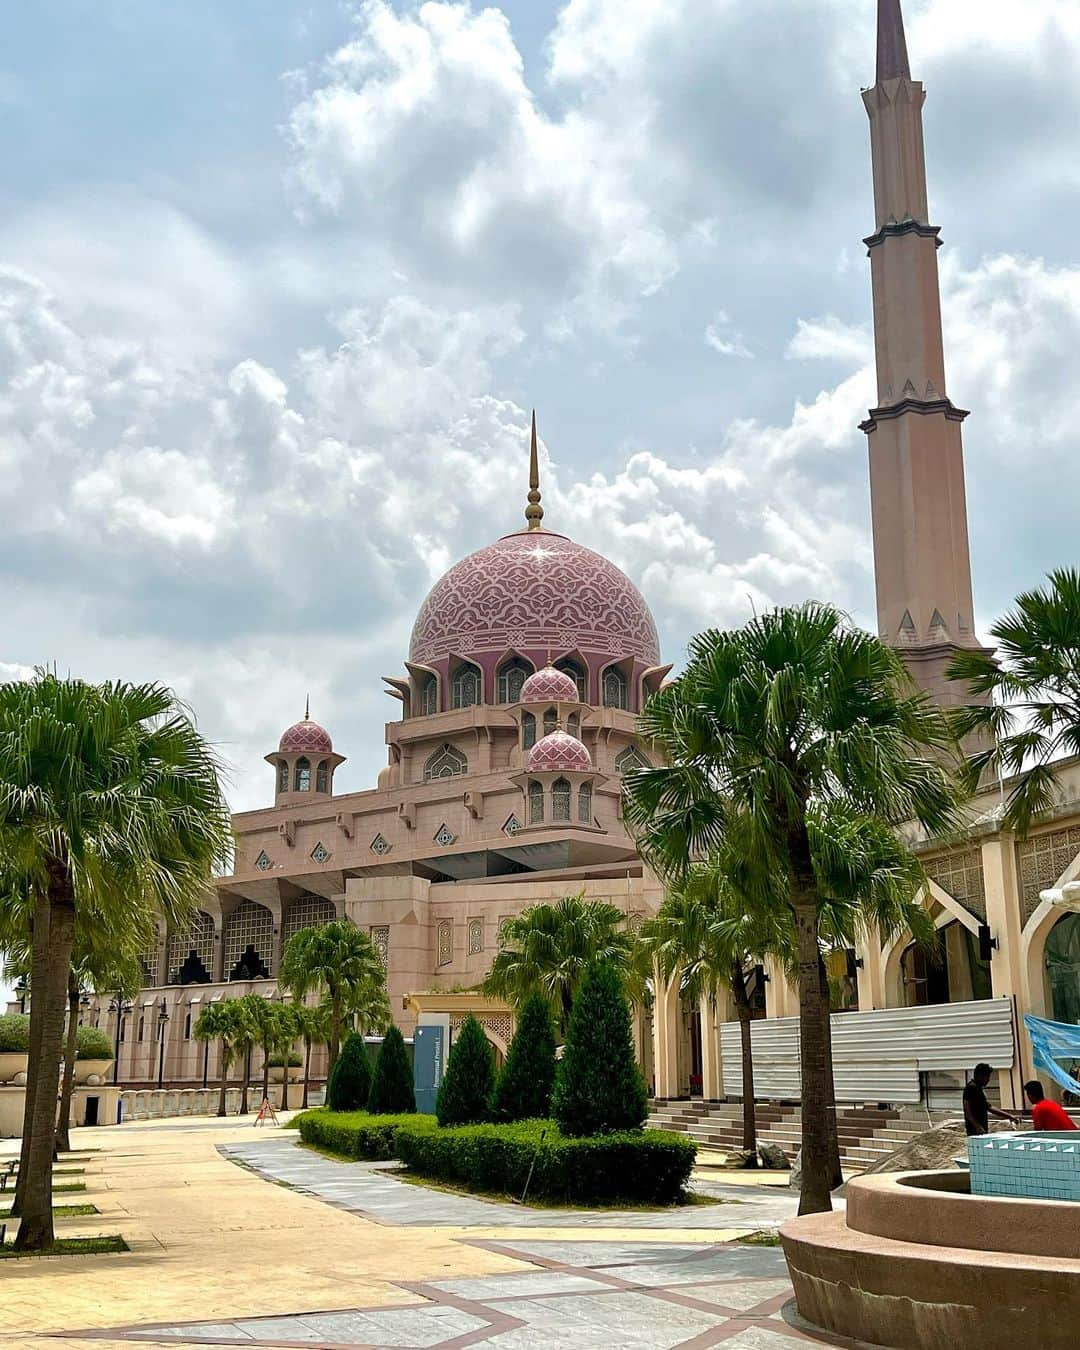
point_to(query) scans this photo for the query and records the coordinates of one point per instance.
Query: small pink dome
(306, 736)
(549, 685)
(557, 751)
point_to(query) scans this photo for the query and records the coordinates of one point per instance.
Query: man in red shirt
(1046, 1115)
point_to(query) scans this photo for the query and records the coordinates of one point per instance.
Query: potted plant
(14, 1045)
(93, 1055)
(276, 1064)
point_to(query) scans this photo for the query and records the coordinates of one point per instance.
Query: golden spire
(534, 512)
(307, 707)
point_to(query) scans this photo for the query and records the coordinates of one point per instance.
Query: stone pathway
(372, 1189)
(586, 1295)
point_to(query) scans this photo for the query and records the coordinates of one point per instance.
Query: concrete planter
(13, 1062)
(92, 1070)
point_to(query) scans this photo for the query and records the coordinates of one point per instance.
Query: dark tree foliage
(599, 1088)
(523, 1091)
(392, 1082)
(350, 1078)
(465, 1092)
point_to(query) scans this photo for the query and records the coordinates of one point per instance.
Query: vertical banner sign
(429, 1062)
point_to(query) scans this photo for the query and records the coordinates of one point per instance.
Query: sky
(279, 285)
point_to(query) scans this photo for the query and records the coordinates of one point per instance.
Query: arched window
(536, 802)
(629, 759)
(1063, 968)
(551, 719)
(512, 676)
(528, 731)
(322, 777)
(446, 762)
(306, 911)
(302, 780)
(427, 697)
(466, 687)
(247, 940)
(614, 688)
(584, 804)
(282, 776)
(956, 973)
(560, 799)
(573, 724)
(577, 674)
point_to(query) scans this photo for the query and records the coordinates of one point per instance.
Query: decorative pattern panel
(197, 938)
(502, 1024)
(630, 758)
(307, 911)
(150, 960)
(263, 863)
(529, 591)
(445, 942)
(379, 845)
(1041, 861)
(961, 874)
(512, 826)
(380, 940)
(249, 925)
(476, 936)
(444, 836)
(320, 853)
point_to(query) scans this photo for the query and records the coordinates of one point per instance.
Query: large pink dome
(556, 752)
(534, 589)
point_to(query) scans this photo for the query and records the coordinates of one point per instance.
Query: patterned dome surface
(549, 684)
(306, 735)
(559, 750)
(534, 589)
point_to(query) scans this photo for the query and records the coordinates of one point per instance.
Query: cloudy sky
(279, 284)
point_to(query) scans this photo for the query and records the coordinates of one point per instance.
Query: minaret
(922, 564)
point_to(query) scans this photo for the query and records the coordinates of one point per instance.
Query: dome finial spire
(307, 707)
(534, 512)
(892, 53)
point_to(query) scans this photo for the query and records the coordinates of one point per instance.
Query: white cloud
(829, 339)
(723, 338)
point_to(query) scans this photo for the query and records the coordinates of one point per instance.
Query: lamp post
(120, 1007)
(162, 1021)
(21, 991)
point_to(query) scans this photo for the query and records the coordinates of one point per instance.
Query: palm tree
(284, 1031)
(338, 958)
(219, 1021)
(108, 797)
(770, 728)
(1035, 677)
(313, 1025)
(546, 949)
(245, 1036)
(262, 1014)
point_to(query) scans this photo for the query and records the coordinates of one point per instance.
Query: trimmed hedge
(278, 1061)
(357, 1134)
(14, 1033)
(649, 1167)
(93, 1043)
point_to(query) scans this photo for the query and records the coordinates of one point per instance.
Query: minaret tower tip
(922, 563)
(534, 512)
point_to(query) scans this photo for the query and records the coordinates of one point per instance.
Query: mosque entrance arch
(1063, 969)
(955, 972)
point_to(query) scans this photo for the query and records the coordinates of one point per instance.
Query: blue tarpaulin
(1051, 1042)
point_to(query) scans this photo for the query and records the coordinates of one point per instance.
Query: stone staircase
(866, 1133)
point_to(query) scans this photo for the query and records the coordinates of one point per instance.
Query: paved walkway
(347, 1256)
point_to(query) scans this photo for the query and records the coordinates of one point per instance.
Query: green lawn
(62, 1211)
(82, 1246)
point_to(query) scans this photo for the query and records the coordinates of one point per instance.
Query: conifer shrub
(350, 1079)
(392, 1082)
(523, 1091)
(464, 1095)
(599, 1088)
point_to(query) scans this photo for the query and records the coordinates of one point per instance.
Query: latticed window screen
(630, 758)
(1041, 860)
(577, 674)
(573, 724)
(551, 718)
(528, 730)
(536, 802)
(445, 763)
(961, 874)
(198, 938)
(584, 803)
(282, 776)
(614, 688)
(249, 925)
(302, 781)
(322, 776)
(428, 697)
(150, 960)
(308, 911)
(466, 687)
(560, 799)
(511, 677)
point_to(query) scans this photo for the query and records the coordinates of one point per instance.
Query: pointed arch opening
(302, 776)
(446, 762)
(466, 687)
(512, 674)
(571, 666)
(536, 802)
(560, 799)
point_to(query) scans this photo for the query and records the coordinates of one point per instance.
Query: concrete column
(870, 976)
(712, 1076)
(1006, 961)
(666, 1038)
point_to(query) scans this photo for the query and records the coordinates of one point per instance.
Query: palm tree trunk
(36, 1222)
(63, 1129)
(307, 1069)
(265, 1073)
(749, 1115)
(835, 1168)
(39, 965)
(816, 1067)
(224, 1077)
(334, 1044)
(246, 1083)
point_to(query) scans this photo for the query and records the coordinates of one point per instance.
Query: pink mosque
(528, 663)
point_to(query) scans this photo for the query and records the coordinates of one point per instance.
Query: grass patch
(63, 1211)
(69, 1187)
(69, 1171)
(82, 1246)
(761, 1239)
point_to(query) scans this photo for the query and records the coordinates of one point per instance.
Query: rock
(737, 1157)
(794, 1181)
(774, 1157)
(932, 1150)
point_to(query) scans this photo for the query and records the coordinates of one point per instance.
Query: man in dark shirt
(977, 1110)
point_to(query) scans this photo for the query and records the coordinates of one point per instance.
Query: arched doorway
(955, 973)
(1063, 969)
